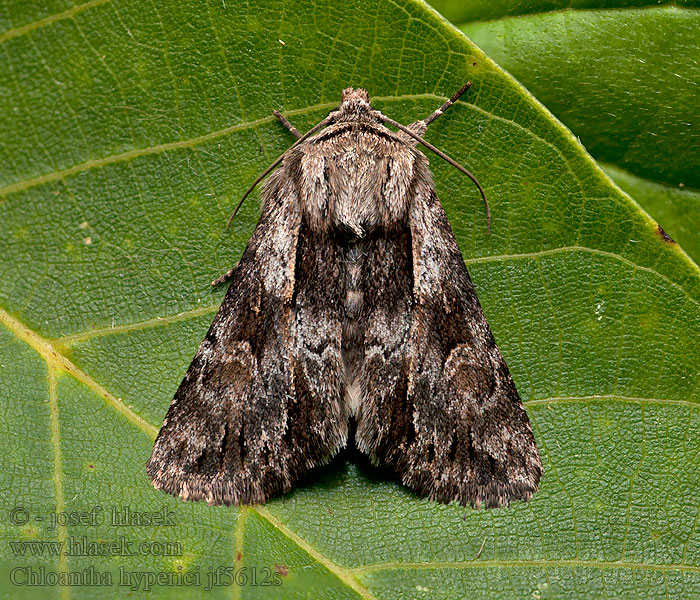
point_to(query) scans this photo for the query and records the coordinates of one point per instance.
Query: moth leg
(225, 277)
(295, 132)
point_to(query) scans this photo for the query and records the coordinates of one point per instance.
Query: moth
(351, 310)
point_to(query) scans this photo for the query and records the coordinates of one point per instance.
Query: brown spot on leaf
(664, 236)
(282, 570)
(239, 556)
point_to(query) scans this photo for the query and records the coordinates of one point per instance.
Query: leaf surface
(128, 131)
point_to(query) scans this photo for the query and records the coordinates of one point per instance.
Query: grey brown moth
(351, 302)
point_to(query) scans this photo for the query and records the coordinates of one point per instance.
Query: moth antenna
(327, 121)
(435, 114)
(444, 156)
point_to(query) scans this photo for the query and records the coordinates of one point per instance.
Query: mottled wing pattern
(445, 413)
(387, 287)
(261, 402)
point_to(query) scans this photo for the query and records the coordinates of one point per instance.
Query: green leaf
(129, 130)
(458, 11)
(678, 209)
(625, 80)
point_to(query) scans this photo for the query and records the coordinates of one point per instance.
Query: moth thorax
(356, 185)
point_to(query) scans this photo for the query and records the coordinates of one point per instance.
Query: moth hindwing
(351, 301)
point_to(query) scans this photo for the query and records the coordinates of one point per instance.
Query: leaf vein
(596, 564)
(61, 531)
(58, 361)
(347, 576)
(561, 249)
(66, 14)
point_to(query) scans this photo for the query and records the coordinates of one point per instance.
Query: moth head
(354, 106)
(355, 95)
